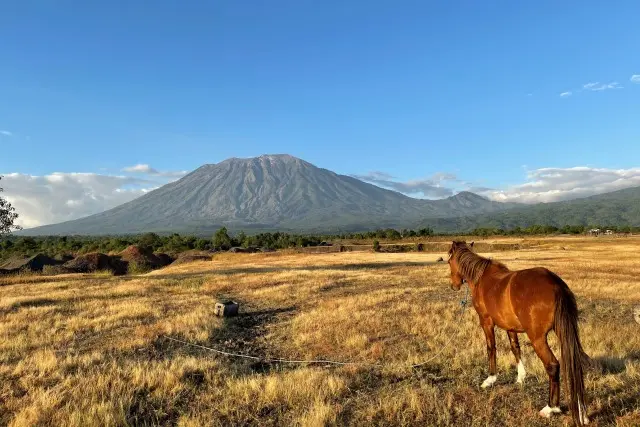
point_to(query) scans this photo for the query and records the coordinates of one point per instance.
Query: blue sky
(407, 88)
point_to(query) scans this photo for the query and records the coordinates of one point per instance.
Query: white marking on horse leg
(582, 413)
(547, 411)
(489, 381)
(521, 372)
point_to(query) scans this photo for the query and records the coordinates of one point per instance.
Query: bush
(53, 270)
(138, 268)
(376, 246)
(104, 273)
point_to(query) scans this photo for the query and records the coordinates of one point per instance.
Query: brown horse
(534, 301)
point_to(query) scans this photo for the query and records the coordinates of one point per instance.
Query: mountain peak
(468, 195)
(279, 157)
(273, 158)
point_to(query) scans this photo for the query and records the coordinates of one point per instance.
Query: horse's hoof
(548, 411)
(521, 373)
(582, 414)
(489, 381)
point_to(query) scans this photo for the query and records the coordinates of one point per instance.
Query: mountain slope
(621, 208)
(268, 192)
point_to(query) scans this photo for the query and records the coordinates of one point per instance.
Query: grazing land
(91, 349)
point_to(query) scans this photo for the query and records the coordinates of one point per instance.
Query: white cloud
(597, 86)
(635, 78)
(565, 94)
(6, 133)
(148, 170)
(140, 168)
(556, 184)
(429, 188)
(61, 197)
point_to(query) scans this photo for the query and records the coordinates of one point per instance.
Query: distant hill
(267, 193)
(620, 208)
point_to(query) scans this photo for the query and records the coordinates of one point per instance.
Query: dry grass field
(90, 350)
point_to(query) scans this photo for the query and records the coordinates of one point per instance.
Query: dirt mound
(14, 262)
(142, 257)
(240, 250)
(191, 256)
(90, 263)
(165, 259)
(34, 263)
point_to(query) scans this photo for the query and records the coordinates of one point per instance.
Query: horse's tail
(573, 358)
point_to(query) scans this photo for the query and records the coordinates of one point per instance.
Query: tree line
(223, 240)
(175, 243)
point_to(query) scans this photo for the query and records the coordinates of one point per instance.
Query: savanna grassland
(83, 350)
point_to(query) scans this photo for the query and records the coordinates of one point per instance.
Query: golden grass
(89, 350)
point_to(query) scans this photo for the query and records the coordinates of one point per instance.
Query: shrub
(104, 273)
(376, 246)
(53, 270)
(138, 268)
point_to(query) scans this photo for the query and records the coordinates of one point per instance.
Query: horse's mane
(472, 265)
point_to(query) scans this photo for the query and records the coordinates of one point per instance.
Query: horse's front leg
(488, 327)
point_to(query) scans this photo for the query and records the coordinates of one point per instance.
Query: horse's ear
(471, 244)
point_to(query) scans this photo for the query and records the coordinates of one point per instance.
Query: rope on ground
(463, 305)
(266, 359)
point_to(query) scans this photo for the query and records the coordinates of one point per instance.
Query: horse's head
(456, 278)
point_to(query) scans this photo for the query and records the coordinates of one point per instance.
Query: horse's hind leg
(552, 367)
(515, 349)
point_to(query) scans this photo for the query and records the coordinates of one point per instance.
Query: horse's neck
(492, 270)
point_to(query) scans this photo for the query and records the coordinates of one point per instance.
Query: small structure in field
(227, 309)
(594, 232)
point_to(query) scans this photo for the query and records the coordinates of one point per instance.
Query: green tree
(8, 216)
(221, 239)
(240, 239)
(423, 232)
(392, 234)
(202, 244)
(6, 245)
(150, 240)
